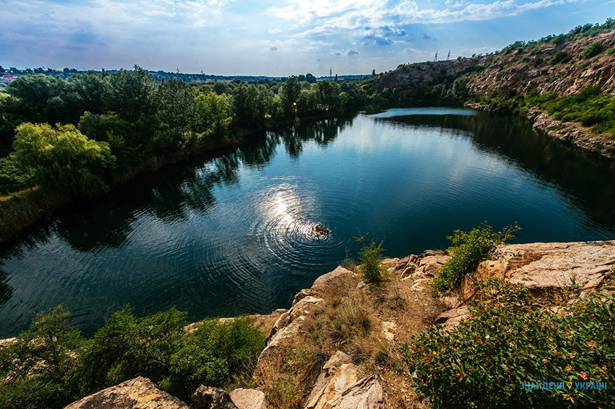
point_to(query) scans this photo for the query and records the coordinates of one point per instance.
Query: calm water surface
(233, 234)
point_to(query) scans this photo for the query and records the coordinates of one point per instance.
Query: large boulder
(544, 267)
(138, 393)
(207, 397)
(327, 280)
(248, 398)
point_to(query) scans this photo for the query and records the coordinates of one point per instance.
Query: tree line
(72, 135)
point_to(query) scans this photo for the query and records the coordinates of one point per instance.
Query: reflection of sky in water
(235, 233)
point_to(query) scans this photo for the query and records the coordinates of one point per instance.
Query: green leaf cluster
(469, 249)
(62, 158)
(51, 364)
(506, 340)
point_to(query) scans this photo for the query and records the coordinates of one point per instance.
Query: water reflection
(234, 233)
(582, 176)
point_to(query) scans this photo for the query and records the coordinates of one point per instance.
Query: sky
(274, 37)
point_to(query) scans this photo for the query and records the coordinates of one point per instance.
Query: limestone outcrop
(138, 393)
(580, 268)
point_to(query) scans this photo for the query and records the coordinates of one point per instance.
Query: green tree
(175, 115)
(63, 159)
(37, 369)
(250, 105)
(133, 96)
(592, 50)
(101, 126)
(213, 113)
(33, 93)
(289, 93)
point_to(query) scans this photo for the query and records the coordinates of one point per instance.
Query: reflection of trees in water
(168, 195)
(322, 132)
(5, 290)
(580, 174)
(259, 150)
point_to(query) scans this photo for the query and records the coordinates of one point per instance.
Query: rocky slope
(518, 71)
(338, 345)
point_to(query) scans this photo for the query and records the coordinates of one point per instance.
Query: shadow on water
(580, 175)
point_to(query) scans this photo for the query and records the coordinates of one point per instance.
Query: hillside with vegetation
(564, 83)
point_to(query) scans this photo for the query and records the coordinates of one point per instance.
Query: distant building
(6, 78)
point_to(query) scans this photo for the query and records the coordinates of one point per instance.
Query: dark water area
(234, 234)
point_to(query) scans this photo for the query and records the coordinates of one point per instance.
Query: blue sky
(273, 37)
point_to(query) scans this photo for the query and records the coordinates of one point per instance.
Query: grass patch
(349, 320)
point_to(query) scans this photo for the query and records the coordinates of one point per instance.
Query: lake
(234, 233)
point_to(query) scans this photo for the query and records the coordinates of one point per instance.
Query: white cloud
(160, 13)
(354, 14)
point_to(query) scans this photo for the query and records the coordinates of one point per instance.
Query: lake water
(234, 233)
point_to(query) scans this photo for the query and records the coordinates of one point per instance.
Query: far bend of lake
(234, 234)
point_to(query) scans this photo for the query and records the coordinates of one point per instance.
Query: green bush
(469, 249)
(51, 365)
(559, 57)
(592, 50)
(12, 178)
(370, 256)
(214, 354)
(38, 370)
(62, 158)
(484, 361)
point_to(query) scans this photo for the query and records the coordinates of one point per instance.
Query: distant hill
(563, 64)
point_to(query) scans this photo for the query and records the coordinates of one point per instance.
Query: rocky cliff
(562, 67)
(338, 345)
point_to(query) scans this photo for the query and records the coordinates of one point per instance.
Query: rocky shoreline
(567, 132)
(358, 371)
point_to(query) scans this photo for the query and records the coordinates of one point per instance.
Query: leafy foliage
(483, 361)
(51, 364)
(559, 57)
(213, 112)
(593, 49)
(38, 369)
(214, 354)
(370, 256)
(141, 117)
(469, 249)
(11, 177)
(589, 107)
(62, 158)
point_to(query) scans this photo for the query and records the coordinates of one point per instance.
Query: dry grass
(351, 320)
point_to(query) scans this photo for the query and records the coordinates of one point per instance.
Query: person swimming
(321, 230)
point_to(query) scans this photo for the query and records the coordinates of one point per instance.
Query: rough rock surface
(248, 399)
(138, 393)
(337, 375)
(206, 397)
(453, 317)
(364, 394)
(544, 267)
